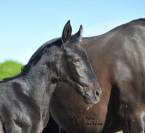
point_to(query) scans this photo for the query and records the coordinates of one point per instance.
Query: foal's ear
(67, 30)
(78, 35)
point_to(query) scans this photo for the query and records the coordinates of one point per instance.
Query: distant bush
(9, 69)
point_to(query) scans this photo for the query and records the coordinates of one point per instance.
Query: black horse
(118, 59)
(24, 99)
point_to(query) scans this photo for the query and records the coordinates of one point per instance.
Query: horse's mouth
(92, 100)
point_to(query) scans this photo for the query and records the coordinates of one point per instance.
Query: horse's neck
(39, 82)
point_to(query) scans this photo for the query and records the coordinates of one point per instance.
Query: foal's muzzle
(93, 93)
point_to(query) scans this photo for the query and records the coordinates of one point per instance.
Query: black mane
(140, 21)
(35, 57)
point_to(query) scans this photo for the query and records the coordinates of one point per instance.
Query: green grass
(9, 69)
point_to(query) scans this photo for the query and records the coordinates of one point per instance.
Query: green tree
(9, 68)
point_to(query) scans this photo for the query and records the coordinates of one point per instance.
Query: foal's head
(67, 61)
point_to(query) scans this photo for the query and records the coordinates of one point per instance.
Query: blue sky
(26, 25)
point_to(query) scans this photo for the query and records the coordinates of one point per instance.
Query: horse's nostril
(98, 92)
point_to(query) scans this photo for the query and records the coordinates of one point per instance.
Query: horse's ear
(67, 30)
(78, 35)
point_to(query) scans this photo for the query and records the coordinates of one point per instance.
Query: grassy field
(9, 68)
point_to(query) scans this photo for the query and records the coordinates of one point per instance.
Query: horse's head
(69, 63)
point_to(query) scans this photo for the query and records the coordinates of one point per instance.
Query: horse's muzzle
(93, 94)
